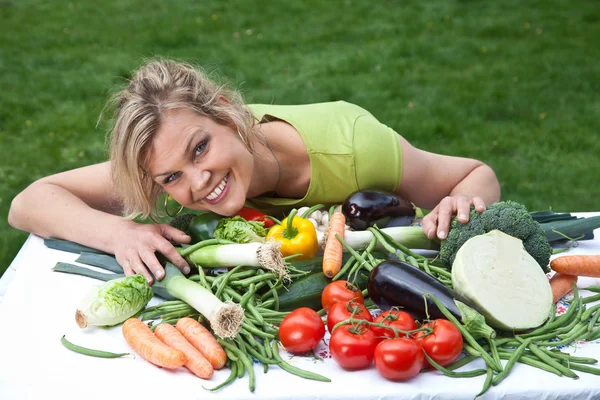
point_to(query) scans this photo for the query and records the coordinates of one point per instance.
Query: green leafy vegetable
(238, 230)
(114, 301)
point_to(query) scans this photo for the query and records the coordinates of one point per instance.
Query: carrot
(580, 265)
(146, 344)
(203, 340)
(561, 284)
(196, 362)
(332, 255)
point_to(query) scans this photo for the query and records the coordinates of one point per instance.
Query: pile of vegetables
(292, 280)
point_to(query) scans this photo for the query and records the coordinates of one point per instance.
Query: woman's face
(203, 165)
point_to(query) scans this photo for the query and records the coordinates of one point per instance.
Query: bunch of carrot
(187, 344)
(568, 269)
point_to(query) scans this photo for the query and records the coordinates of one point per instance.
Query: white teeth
(218, 190)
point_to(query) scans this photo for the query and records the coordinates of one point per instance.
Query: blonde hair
(157, 87)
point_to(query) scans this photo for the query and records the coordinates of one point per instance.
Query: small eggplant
(366, 208)
(396, 283)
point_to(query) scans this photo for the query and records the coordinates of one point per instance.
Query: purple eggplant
(396, 283)
(366, 208)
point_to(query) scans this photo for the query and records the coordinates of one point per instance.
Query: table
(38, 309)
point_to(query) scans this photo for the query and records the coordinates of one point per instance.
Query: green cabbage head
(114, 301)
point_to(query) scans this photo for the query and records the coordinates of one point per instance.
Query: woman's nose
(198, 179)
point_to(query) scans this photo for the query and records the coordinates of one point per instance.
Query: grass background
(513, 83)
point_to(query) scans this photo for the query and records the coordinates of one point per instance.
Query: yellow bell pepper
(297, 237)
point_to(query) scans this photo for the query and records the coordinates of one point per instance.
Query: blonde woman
(178, 132)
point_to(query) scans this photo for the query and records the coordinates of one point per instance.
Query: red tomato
(353, 347)
(399, 359)
(340, 291)
(444, 344)
(301, 330)
(395, 319)
(342, 310)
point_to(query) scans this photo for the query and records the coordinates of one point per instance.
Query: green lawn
(513, 83)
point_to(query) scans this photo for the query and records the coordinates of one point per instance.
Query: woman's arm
(81, 206)
(447, 185)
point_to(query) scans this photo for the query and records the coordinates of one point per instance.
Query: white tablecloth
(38, 309)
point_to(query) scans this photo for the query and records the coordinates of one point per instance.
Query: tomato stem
(358, 324)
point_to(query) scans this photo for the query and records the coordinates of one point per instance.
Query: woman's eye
(200, 148)
(170, 178)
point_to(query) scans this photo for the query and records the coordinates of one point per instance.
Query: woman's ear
(224, 99)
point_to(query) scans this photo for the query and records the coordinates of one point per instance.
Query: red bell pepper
(250, 214)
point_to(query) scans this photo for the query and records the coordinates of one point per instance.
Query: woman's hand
(135, 246)
(437, 222)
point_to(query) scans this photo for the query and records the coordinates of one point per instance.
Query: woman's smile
(219, 192)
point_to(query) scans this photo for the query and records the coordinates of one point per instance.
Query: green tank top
(348, 148)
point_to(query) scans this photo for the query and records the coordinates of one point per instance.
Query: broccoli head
(509, 217)
(182, 221)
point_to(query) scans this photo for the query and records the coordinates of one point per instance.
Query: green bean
(399, 246)
(268, 303)
(275, 294)
(452, 374)
(462, 362)
(252, 310)
(593, 321)
(568, 340)
(233, 294)
(568, 357)
(241, 369)
(247, 295)
(534, 362)
(494, 351)
(181, 314)
(438, 270)
(388, 247)
(90, 352)
(254, 279)
(588, 313)
(590, 299)
(511, 362)
(166, 304)
(560, 321)
(269, 294)
(244, 359)
(234, 275)
(294, 370)
(260, 357)
(353, 252)
(223, 282)
(487, 383)
(595, 289)
(552, 362)
(231, 378)
(574, 329)
(268, 350)
(256, 331)
(582, 368)
(469, 338)
(268, 312)
(202, 278)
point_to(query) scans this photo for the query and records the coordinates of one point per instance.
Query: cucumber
(306, 291)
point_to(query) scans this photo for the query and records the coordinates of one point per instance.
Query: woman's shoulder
(334, 109)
